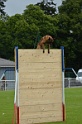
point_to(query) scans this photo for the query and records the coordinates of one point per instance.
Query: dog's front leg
(43, 48)
(48, 48)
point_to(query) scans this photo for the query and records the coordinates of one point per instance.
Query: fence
(71, 82)
(7, 85)
(7, 78)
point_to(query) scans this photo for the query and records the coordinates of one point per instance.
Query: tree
(25, 34)
(2, 39)
(2, 7)
(25, 30)
(7, 36)
(49, 8)
(70, 31)
(46, 23)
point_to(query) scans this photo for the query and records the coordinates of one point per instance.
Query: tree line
(25, 30)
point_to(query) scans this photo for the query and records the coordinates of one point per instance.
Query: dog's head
(51, 40)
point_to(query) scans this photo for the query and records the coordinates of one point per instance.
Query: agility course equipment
(39, 87)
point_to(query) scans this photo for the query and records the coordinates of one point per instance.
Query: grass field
(6, 106)
(73, 98)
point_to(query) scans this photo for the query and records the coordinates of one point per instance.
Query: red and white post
(16, 98)
(63, 92)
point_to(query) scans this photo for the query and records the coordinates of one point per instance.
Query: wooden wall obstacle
(39, 86)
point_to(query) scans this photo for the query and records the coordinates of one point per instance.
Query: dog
(47, 39)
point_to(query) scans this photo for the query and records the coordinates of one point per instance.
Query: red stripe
(63, 109)
(17, 115)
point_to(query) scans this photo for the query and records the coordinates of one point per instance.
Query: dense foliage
(70, 31)
(49, 8)
(25, 30)
(2, 12)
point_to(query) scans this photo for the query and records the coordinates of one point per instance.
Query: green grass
(73, 98)
(6, 107)
(73, 106)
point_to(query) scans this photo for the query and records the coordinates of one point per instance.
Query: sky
(18, 6)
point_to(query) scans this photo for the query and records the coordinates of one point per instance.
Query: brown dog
(47, 39)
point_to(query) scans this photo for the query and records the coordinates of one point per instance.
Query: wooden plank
(39, 108)
(24, 102)
(34, 69)
(46, 77)
(40, 93)
(37, 70)
(40, 79)
(38, 56)
(41, 120)
(48, 72)
(39, 67)
(37, 79)
(39, 76)
(40, 96)
(41, 114)
(40, 85)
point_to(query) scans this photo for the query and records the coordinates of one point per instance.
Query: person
(3, 83)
